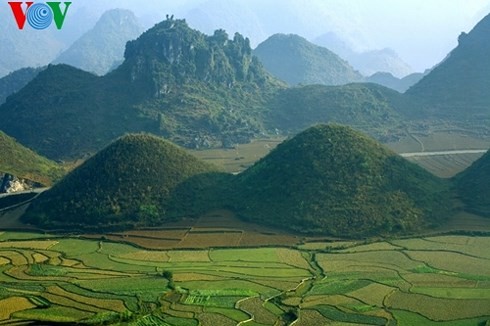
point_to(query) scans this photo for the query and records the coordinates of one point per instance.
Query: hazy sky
(422, 32)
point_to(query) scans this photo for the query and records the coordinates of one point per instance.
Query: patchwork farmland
(436, 280)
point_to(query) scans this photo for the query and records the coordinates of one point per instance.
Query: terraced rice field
(439, 280)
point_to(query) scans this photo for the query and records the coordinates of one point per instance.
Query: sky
(422, 32)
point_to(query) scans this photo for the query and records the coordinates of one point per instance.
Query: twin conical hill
(128, 183)
(473, 186)
(332, 179)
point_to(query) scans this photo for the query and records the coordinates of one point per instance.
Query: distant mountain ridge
(295, 60)
(366, 62)
(399, 84)
(101, 47)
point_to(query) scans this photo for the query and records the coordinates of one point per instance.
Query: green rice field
(437, 280)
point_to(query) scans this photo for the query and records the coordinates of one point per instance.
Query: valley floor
(219, 270)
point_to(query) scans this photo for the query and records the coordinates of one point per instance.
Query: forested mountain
(195, 89)
(296, 61)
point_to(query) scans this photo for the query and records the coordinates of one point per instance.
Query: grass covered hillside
(473, 186)
(296, 61)
(129, 183)
(20, 161)
(333, 180)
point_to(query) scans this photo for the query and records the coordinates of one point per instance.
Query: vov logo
(39, 15)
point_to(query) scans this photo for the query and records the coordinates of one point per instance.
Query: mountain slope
(194, 89)
(16, 80)
(295, 60)
(459, 85)
(23, 163)
(65, 110)
(473, 186)
(333, 180)
(128, 183)
(100, 48)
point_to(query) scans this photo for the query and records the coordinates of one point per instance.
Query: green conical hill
(473, 185)
(20, 161)
(128, 183)
(333, 180)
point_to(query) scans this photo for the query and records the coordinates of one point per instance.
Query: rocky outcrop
(11, 184)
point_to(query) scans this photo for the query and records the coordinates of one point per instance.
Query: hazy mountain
(334, 180)
(21, 162)
(101, 47)
(21, 48)
(129, 183)
(367, 62)
(459, 85)
(399, 84)
(14, 81)
(295, 60)
(473, 186)
(195, 89)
